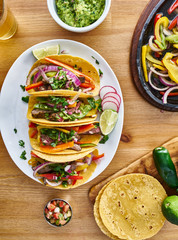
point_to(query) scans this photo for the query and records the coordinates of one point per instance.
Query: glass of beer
(8, 24)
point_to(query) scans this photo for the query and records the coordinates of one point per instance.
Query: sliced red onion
(153, 86)
(87, 90)
(64, 51)
(43, 74)
(31, 74)
(53, 184)
(69, 181)
(167, 32)
(166, 82)
(155, 49)
(165, 96)
(159, 73)
(74, 98)
(79, 163)
(40, 167)
(67, 168)
(88, 160)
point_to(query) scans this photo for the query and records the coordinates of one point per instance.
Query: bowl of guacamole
(79, 15)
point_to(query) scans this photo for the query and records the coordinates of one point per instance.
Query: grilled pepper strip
(164, 21)
(165, 166)
(171, 66)
(144, 51)
(173, 7)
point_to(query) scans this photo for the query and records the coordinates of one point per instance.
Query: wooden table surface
(22, 200)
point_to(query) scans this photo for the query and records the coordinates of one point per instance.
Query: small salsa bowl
(58, 212)
(53, 11)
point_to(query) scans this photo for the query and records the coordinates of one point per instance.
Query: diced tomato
(62, 222)
(66, 208)
(50, 206)
(46, 210)
(56, 215)
(61, 204)
(54, 203)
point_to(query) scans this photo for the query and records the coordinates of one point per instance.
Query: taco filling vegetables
(52, 140)
(55, 74)
(61, 109)
(64, 175)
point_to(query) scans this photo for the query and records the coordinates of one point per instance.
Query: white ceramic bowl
(53, 11)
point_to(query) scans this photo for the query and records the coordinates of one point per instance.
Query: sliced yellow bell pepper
(171, 67)
(81, 167)
(150, 58)
(159, 67)
(175, 45)
(144, 51)
(162, 21)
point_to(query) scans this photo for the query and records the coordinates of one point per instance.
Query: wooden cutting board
(145, 165)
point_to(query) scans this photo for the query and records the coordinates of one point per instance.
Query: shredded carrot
(58, 148)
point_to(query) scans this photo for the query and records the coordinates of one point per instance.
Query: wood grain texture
(144, 165)
(145, 127)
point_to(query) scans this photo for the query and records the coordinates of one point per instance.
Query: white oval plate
(13, 110)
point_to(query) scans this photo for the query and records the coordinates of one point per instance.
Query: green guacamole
(79, 13)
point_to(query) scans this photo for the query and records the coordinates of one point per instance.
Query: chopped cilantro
(23, 87)
(21, 143)
(15, 130)
(100, 73)
(96, 61)
(104, 139)
(22, 156)
(99, 105)
(91, 101)
(25, 99)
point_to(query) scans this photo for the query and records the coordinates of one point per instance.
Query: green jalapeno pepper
(165, 166)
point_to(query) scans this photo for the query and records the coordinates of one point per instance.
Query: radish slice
(112, 99)
(112, 94)
(110, 105)
(105, 90)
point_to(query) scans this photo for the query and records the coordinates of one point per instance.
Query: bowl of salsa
(79, 15)
(58, 212)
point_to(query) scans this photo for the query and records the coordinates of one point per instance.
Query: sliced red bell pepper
(35, 131)
(173, 23)
(49, 176)
(75, 177)
(157, 55)
(157, 17)
(74, 182)
(173, 7)
(34, 85)
(85, 128)
(97, 157)
(87, 85)
(34, 155)
(32, 125)
(170, 94)
(73, 128)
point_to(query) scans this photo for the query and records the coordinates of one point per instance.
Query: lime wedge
(108, 120)
(43, 52)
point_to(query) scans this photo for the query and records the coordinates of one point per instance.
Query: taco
(69, 174)
(65, 141)
(63, 75)
(60, 110)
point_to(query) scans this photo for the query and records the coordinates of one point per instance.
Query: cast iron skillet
(143, 30)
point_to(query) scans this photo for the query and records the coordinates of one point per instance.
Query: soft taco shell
(87, 69)
(62, 157)
(86, 174)
(95, 138)
(32, 101)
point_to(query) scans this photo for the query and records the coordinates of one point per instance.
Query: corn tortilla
(87, 69)
(132, 204)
